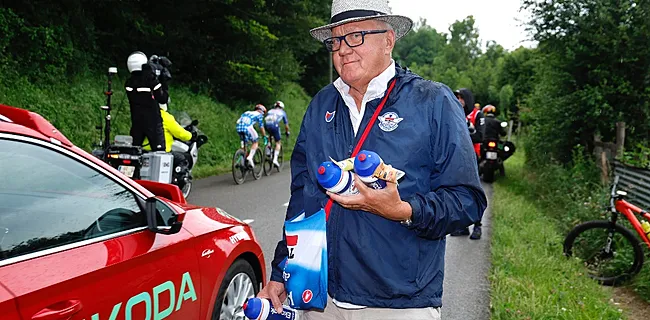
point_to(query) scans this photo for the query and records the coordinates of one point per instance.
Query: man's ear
(390, 41)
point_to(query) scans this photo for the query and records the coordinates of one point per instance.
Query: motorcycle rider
(246, 129)
(145, 92)
(493, 129)
(172, 130)
(272, 125)
(476, 126)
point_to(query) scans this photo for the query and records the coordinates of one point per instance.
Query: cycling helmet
(261, 108)
(279, 104)
(489, 109)
(477, 105)
(135, 61)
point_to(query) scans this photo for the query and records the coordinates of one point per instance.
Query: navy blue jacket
(374, 261)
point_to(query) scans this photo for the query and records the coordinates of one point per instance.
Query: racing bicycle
(240, 166)
(611, 252)
(269, 151)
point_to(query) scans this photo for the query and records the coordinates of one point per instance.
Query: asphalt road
(467, 262)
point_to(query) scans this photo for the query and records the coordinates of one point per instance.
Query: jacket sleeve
(174, 128)
(477, 136)
(456, 199)
(299, 176)
(160, 92)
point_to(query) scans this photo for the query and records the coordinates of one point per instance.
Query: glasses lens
(332, 44)
(354, 39)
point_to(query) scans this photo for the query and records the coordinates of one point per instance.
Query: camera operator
(145, 92)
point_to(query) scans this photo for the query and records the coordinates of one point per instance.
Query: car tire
(239, 268)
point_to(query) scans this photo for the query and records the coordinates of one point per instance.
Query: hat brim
(401, 25)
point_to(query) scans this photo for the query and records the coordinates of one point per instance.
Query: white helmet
(135, 61)
(279, 104)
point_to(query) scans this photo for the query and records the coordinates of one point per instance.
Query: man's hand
(385, 202)
(275, 292)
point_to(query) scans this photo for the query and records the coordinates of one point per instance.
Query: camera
(160, 66)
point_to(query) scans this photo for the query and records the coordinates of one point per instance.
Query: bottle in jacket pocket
(336, 180)
(261, 309)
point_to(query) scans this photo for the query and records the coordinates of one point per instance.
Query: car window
(48, 199)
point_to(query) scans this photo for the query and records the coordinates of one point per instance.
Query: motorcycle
(138, 164)
(494, 153)
(182, 176)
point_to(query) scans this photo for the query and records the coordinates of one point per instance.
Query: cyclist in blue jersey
(272, 124)
(246, 129)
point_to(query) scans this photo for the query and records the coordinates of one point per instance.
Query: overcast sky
(495, 20)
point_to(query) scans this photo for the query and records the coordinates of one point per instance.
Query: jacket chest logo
(389, 121)
(329, 116)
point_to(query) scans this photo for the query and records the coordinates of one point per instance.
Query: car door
(74, 243)
(8, 309)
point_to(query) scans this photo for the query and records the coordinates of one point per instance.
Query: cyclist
(272, 124)
(246, 129)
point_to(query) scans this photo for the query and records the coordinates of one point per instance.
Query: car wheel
(237, 287)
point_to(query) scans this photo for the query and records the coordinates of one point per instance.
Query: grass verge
(73, 107)
(530, 278)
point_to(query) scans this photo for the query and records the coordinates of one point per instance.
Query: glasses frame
(342, 39)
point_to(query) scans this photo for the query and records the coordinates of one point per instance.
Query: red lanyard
(375, 116)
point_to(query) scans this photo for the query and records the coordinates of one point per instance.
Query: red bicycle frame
(629, 211)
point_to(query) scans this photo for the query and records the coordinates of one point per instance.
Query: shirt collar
(376, 87)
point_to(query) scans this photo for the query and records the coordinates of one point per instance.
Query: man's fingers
(362, 187)
(277, 304)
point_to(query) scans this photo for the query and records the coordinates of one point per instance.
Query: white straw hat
(346, 11)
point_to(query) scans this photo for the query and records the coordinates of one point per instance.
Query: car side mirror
(153, 215)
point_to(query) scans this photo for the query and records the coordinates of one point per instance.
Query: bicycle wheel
(257, 159)
(239, 166)
(281, 159)
(611, 253)
(268, 159)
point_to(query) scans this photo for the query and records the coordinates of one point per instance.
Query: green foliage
(74, 109)
(232, 50)
(456, 60)
(594, 60)
(530, 278)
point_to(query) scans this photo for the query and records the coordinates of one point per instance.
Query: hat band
(355, 14)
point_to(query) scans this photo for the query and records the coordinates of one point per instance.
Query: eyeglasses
(352, 39)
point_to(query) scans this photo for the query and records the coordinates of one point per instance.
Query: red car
(79, 240)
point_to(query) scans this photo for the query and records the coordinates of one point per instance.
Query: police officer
(145, 93)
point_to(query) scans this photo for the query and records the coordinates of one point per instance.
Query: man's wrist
(405, 212)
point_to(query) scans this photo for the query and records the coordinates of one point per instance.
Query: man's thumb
(277, 304)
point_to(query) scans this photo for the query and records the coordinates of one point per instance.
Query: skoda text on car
(79, 240)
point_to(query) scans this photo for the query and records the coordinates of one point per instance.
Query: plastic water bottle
(261, 309)
(335, 179)
(365, 164)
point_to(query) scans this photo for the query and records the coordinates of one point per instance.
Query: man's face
(358, 65)
(462, 101)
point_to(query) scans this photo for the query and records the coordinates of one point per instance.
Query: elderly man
(385, 248)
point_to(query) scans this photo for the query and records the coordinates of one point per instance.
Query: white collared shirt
(376, 89)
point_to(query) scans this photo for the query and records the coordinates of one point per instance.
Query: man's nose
(345, 49)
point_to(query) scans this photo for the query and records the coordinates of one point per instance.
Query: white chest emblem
(389, 121)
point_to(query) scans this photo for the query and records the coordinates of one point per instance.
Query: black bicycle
(241, 167)
(269, 153)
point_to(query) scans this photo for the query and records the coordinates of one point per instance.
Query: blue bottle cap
(328, 174)
(366, 162)
(252, 308)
